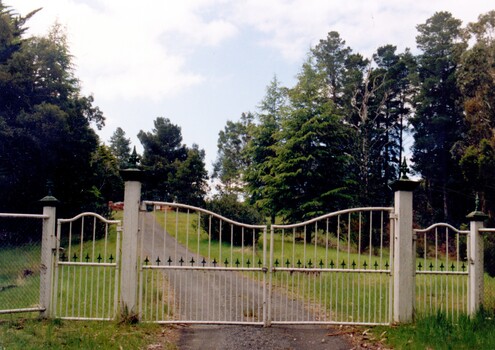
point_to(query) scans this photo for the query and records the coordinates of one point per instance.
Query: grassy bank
(57, 334)
(437, 332)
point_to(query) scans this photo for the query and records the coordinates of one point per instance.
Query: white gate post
(475, 259)
(404, 257)
(47, 252)
(132, 198)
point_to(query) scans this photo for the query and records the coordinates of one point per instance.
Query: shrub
(229, 207)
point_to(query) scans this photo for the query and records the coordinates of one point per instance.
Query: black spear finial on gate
(203, 262)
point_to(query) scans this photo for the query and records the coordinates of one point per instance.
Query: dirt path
(229, 295)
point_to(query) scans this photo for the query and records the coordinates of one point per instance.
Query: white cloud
(118, 46)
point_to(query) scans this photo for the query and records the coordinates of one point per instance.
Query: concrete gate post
(475, 259)
(48, 245)
(132, 177)
(404, 256)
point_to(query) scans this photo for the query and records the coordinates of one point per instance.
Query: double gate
(198, 267)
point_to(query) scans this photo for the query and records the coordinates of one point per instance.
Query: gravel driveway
(229, 296)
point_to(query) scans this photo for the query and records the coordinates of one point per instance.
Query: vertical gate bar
(360, 223)
(446, 269)
(176, 242)
(326, 266)
(117, 272)
(391, 267)
(140, 261)
(80, 269)
(55, 282)
(459, 308)
(220, 227)
(187, 234)
(267, 298)
(165, 287)
(371, 249)
(382, 230)
(69, 275)
(348, 275)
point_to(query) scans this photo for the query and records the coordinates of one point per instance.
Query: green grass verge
(57, 334)
(438, 332)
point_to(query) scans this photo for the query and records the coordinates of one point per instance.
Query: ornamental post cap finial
(404, 169)
(133, 159)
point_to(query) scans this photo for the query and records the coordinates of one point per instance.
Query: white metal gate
(442, 270)
(86, 274)
(199, 267)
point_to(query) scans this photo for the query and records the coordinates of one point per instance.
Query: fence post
(48, 245)
(132, 177)
(475, 259)
(403, 266)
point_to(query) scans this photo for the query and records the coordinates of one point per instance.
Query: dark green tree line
(45, 122)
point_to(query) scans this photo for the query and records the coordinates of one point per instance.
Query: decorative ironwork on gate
(199, 267)
(86, 276)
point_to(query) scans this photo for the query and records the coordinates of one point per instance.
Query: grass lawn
(57, 334)
(437, 332)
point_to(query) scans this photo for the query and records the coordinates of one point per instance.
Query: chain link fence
(20, 264)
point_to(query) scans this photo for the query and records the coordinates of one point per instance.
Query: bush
(228, 207)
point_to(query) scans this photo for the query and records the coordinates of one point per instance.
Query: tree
(44, 121)
(261, 148)
(231, 162)
(438, 120)
(192, 176)
(309, 169)
(120, 146)
(176, 173)
(476, 81)
(380, 104)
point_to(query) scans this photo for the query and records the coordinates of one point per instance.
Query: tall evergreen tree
(176, 172)
(438, 120)
(120, 147)
(309, 169)
(231, 162)
(261, 148)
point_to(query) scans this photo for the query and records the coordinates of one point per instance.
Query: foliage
(120, 147)
(438, 120)
(58, 334)
(437, 332)
(176, 172)
(229, 207)
(231, 159)
(45, 122)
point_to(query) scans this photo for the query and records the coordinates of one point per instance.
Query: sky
(203, 62)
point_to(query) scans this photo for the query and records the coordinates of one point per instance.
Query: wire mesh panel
(86, 268)
(441, 270)
(20, 263)
(199, 267)
(333, 269)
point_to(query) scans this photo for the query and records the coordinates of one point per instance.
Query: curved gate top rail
(333, 214)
